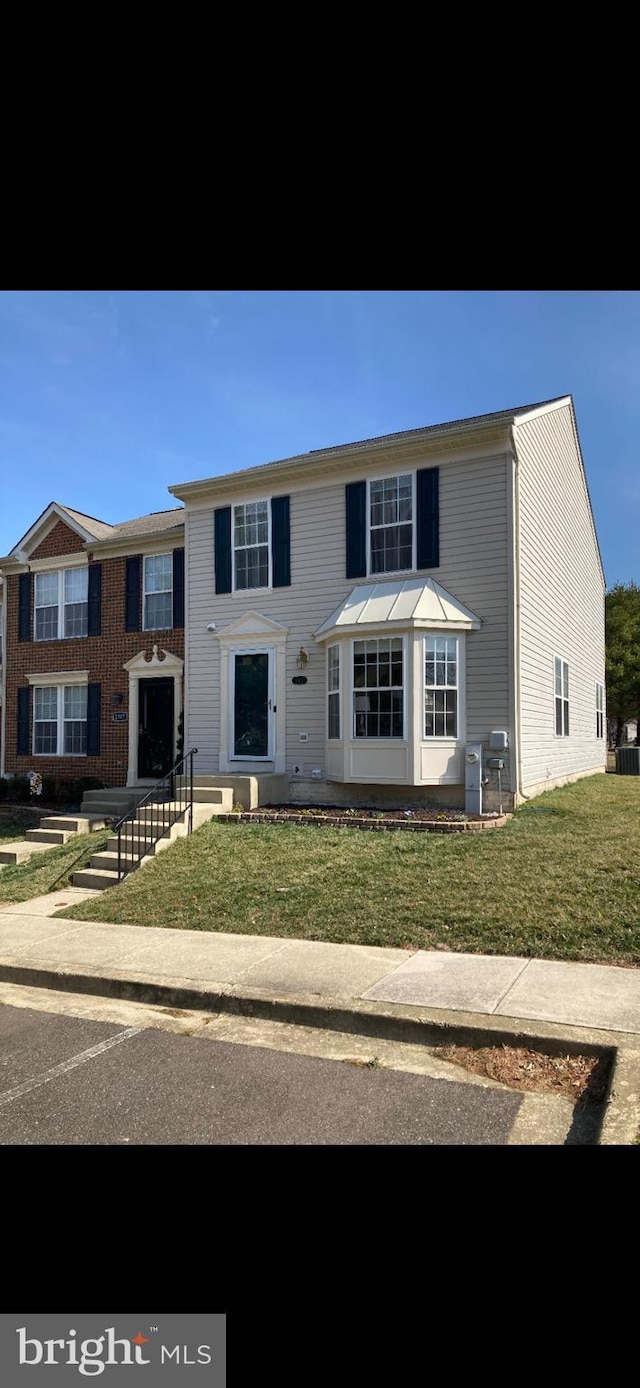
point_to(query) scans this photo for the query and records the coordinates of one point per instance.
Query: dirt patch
(582, 1078)
(421, 813)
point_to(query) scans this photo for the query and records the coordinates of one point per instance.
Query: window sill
(237, 592)
(153, 630)
(43, 640)
(58, 756)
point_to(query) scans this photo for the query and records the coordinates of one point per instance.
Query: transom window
(391, 524)
(333, 691)
(61, 604)
(378, 688)
(251, 545)
(599, 710)
(158, 592)
(60, 720)
(561, 676)
(441, 686)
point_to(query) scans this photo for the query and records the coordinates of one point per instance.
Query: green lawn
(561, 881)
(43, 872)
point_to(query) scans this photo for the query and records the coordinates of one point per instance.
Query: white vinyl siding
(60, 720)
(333, 692)
(473, 566)
(158, 592)
(61, 604)
(441, 686)
(561, 602)
(252, 545)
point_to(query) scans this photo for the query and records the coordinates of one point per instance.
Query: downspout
(516, 623)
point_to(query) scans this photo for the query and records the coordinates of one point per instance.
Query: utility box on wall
(473, 778)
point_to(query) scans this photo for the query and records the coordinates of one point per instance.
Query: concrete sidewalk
(124, 960)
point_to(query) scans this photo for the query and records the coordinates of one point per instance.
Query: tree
(622, 621)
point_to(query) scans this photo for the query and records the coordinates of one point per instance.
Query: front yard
(561, 881)
(44, 872)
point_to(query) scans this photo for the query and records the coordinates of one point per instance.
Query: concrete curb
(389, 1021)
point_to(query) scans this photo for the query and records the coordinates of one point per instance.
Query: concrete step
(213, 795)
(109, 860)
(108, 809)
(76, 824)
(50, 836)
(21, 851)
(98, 879)
(177, 830)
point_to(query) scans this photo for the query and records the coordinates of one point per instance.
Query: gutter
(516, 617)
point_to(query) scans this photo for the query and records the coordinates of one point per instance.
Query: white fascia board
(46, 522)
(364, 631)
(543, 409)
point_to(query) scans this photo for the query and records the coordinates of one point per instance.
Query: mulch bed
(425, 820)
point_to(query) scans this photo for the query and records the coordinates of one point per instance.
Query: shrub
(49, 790)
(19, 790)
(4, 784)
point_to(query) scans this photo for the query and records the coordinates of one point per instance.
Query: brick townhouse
(93, 645)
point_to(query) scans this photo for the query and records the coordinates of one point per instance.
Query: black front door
(155, 731)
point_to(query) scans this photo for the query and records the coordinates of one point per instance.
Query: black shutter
(356, 504)
(280, 542)
(222, 548)
(178, 587)
(23, 719)
(93, 720)
(428, 520)
(94, 623)
(132, 604)
(24, 607)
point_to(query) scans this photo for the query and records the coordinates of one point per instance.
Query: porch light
(302, 658)
(117, 699)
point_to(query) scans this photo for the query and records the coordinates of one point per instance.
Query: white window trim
(564, 698)
(378, 741)
(48, 682)
(425, 737)
(160, 555)
(61, 604)
(338, 691)
(379, 577)
(600, 691)
(252, 501)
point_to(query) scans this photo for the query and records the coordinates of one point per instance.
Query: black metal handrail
(154, 816)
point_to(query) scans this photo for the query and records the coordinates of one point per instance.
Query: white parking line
(66, 1065)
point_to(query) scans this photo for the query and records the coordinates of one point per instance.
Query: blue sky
(108, 397)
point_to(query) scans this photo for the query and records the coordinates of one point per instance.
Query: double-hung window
(378, 688)
(60, 720)
(158, 592)
(251, 547)
(561, 686)
(441, 686)
(61, 604)
(391, 524)
(599, 710)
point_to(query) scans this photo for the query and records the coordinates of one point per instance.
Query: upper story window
(599, 710)
(561, 677)
(378, 688)
(61, 604)
(251, 545)
(391, 524)
(158, 592)
(441, 686)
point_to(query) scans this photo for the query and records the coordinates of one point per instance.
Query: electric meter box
(498, 741)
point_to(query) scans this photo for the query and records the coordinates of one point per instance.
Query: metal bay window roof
(409, 602)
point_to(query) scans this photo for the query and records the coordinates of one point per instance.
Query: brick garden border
(424, 826)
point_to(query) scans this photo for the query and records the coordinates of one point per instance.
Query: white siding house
(357, 616)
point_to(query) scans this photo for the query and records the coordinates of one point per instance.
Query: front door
(252, 704)
(155, 731)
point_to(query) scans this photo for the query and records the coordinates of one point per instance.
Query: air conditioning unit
(628, 761)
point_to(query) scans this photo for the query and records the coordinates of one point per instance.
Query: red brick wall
(103, 656)
(61, 540)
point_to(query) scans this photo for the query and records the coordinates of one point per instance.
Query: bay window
(378, 688)
(333, 692)
(441, 686)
